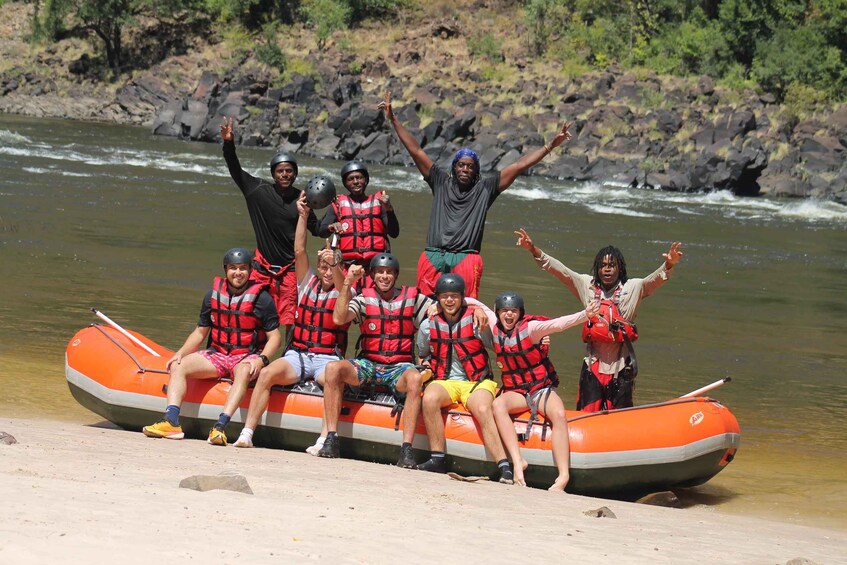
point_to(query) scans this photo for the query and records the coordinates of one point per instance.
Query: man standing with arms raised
(273, 213)
(461, 199)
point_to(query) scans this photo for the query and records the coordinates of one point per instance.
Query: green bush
(326, 16)
(800, 55)
(485, 46)
(268, 51)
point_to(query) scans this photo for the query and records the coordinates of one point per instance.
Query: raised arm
(239, 175)
(389, 217)
(301, 256)
(538, 328)
(342, 314)
(657, 278)
(569, 278)
(416, 152)
(510, 173)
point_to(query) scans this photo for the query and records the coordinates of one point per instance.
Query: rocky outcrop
(631, 131)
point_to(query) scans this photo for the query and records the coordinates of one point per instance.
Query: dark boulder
(80, 66)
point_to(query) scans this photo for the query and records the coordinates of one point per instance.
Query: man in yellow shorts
(453, 345)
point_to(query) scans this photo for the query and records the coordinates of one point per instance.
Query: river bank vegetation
(790, 48)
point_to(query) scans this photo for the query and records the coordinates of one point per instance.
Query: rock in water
(665, 498)
(7, 439)
(602, 512)
(202, 483)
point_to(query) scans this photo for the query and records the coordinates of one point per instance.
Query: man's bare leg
(434, 399)
(410, 384)
(480, 405)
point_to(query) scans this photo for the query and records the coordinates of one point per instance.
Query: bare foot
(520, 467)
(561, 483)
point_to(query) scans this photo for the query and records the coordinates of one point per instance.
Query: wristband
(265, 360)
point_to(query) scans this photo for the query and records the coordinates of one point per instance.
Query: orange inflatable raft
(681, 443)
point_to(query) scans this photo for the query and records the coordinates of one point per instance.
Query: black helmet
(509, 300)
(385, 260)
(283, 157)
(320, 192)
(353, 166)
(238, 255)
(450, 282)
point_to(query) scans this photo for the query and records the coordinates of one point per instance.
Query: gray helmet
(353, 166)
(238, 255)
(450, 282)
(509, 300)
(385, 260)
(283, 157)
(320, 192)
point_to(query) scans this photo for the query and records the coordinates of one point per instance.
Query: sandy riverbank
(86, 494)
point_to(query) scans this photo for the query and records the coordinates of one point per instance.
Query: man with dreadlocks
(461, 199)
(609, 369)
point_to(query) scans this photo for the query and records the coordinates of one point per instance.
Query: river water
(95, 215)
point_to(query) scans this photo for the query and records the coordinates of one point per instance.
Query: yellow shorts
(460, 391)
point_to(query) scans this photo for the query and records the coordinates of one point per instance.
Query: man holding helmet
(388, 318)
(239, 320)
(362, 222)
(273, 212)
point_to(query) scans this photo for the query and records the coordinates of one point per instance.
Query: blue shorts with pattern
(371, 373)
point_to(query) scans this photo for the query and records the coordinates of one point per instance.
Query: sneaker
(434, 465)
(331, 448)
(406, 461)
(243, 442)
(163, 429)
(507, 477)
(314, 449)
(217, 437)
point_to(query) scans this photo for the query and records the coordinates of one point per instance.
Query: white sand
(78, 494)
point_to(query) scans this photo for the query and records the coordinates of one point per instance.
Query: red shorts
(225, 363)
(283, 289)
(469, 268)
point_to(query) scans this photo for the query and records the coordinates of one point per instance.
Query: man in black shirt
(273, 213)
(461, 199)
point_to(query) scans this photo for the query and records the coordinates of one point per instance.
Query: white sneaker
(243, 442)
(313, 450)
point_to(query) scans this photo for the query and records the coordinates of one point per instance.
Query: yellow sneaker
(217, 437)
(163, 429)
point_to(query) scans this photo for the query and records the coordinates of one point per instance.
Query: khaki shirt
(612, 356)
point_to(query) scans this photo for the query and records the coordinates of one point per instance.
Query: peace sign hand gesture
(226, 130)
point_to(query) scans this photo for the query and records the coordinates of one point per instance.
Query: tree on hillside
(106, 19)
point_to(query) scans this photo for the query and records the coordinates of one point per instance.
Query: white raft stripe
(389, 436)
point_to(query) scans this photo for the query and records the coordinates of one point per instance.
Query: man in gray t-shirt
(461, 199)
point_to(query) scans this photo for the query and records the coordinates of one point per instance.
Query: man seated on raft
(529, 378)
(315, 340)
(453, 343)
(388, 318)
(239, 319)
(607, 378)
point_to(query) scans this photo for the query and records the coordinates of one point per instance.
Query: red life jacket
(314, 330)
(388, 327)
(609, 326)
(235, 328)
(525, 365)
(364, 231)
(444, 338)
